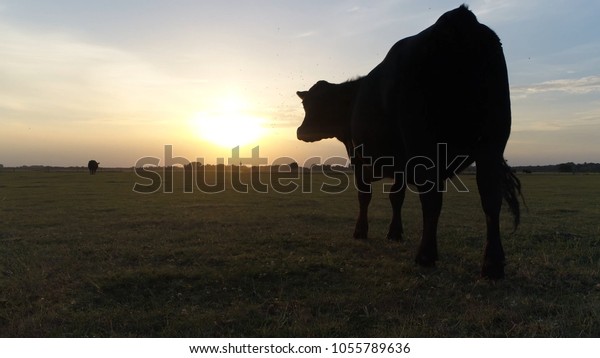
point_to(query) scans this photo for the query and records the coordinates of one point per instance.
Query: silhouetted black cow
(438, 102)
(93, 166)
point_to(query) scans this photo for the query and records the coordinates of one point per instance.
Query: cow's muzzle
(307, 135)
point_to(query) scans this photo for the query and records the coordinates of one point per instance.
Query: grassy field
(85, 256)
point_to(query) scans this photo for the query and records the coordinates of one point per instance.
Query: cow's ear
(302, 94)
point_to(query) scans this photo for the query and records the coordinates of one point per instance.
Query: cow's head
(325, 115)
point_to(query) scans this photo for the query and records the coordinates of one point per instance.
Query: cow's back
(438, 86)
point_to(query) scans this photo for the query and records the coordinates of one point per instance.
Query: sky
(119, 80)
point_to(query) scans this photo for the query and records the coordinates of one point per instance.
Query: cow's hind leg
(397, 194)
(489, 183)
(431, 205)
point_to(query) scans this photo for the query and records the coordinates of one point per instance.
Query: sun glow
(229, 123)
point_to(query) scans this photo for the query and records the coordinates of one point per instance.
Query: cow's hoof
(493, 270)
(426, 261)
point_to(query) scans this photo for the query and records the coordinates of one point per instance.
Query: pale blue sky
(117, 80)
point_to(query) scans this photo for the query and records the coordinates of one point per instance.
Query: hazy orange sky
(116, 81)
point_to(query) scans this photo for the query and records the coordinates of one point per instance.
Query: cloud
(576, 86)
(305, 34)
(63, 98)
(59, 77)
(589, 116)
(503, 10)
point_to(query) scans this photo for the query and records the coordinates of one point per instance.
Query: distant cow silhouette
(93, 166)
(437, 103)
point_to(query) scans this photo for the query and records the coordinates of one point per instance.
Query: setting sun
(228, 123)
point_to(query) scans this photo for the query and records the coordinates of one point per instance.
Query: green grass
(85, 256)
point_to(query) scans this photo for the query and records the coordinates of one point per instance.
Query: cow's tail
(511, 190)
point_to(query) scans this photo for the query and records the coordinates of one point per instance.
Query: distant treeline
(568, 167)
(289, 167)
(49, 168)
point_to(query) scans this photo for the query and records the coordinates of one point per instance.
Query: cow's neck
(347, 94)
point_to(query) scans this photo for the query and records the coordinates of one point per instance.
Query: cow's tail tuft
(511, 190)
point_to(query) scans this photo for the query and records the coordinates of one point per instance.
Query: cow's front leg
(363, 184)
(431, 205)
(397, 194)
(362, 222)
